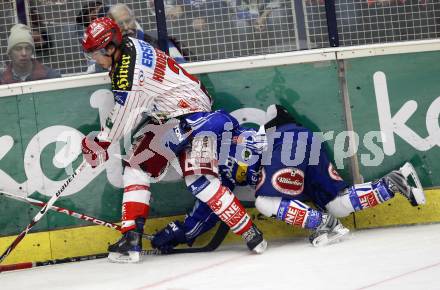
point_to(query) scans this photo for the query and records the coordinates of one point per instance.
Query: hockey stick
(27, 265)
(43, 211)
(69, 213)
(213, 244)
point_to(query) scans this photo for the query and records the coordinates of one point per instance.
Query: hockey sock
(369, 194)
(221, 201)
(133, 210)
(136, 198)
(230, 210)
(296, 213)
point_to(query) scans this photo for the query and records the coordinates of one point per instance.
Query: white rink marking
(390, 258)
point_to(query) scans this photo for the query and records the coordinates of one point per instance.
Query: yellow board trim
(398, 211)
(91, 240)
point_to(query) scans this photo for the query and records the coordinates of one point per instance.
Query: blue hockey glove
(169, 237)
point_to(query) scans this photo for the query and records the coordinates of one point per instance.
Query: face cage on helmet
(89, 55)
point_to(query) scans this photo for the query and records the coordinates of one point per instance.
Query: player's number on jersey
(176, 68)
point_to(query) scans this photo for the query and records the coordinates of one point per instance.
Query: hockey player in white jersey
(150, 89)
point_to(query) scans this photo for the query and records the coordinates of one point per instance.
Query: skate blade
(419, 196)
(132, 257)
(260, 248)
(327, 239)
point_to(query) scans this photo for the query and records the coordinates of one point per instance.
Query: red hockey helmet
(100, 33)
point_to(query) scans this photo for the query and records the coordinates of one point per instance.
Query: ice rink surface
(390, 258)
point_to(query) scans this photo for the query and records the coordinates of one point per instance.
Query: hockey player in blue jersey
(287, 169)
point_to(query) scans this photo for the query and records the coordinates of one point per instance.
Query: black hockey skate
(254, 240)
(330, 230)
(397, 182)
(127, 249)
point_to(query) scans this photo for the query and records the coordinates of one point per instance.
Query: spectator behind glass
(90, 11)
(40, 35)
(126, 21)
(255, 15)
(206, 26)
(23, 67)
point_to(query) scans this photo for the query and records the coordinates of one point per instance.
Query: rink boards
(343, 93)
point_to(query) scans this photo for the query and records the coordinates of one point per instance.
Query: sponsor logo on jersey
(240, 175)
(109, 123)
(178, 134)
(295, 216)
(183, 104)
(141, 77)
(368, 200)
(333, 173)
(261, 179)
(227, 169)
(120, 97)
(122, 78)
(147, 54)
(282, 211)
(161, 65)
(289, 181)
(246, 154)
(253, 177)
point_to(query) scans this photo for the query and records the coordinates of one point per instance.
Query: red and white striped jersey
(147, 82)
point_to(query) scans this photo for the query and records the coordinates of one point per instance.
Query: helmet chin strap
(115, 56)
